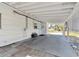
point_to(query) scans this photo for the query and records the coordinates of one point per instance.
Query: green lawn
(75, 34)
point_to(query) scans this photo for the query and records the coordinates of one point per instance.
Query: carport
(21, 19)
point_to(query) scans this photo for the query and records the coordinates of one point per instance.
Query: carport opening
(56, 29)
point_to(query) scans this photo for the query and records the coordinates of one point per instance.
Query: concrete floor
(21, 49)
(54, 44)
(42, 46)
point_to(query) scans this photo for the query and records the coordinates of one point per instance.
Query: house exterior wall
(74, 19)
(12, 26)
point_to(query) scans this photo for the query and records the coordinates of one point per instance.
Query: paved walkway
(42, 46)
(54, 44)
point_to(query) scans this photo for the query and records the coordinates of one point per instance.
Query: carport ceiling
(46, 11)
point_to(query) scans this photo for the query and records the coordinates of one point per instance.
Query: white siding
(74, 20)
(13, 26)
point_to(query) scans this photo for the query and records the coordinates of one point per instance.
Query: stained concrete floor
(22, 50)
(55, 44)
(42, 46)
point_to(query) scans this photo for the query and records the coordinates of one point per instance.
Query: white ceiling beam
(11, 3)
(59, 15)
(66, 3)
(47, 8)
(32, 4)
(51, 18)
(38, 6)
(54, 20)
(64, 18)
(25, 4)
(59, 12)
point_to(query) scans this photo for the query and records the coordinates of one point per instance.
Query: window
(35, 25)
(0, 20)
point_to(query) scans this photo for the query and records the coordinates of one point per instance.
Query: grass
(75, 34)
